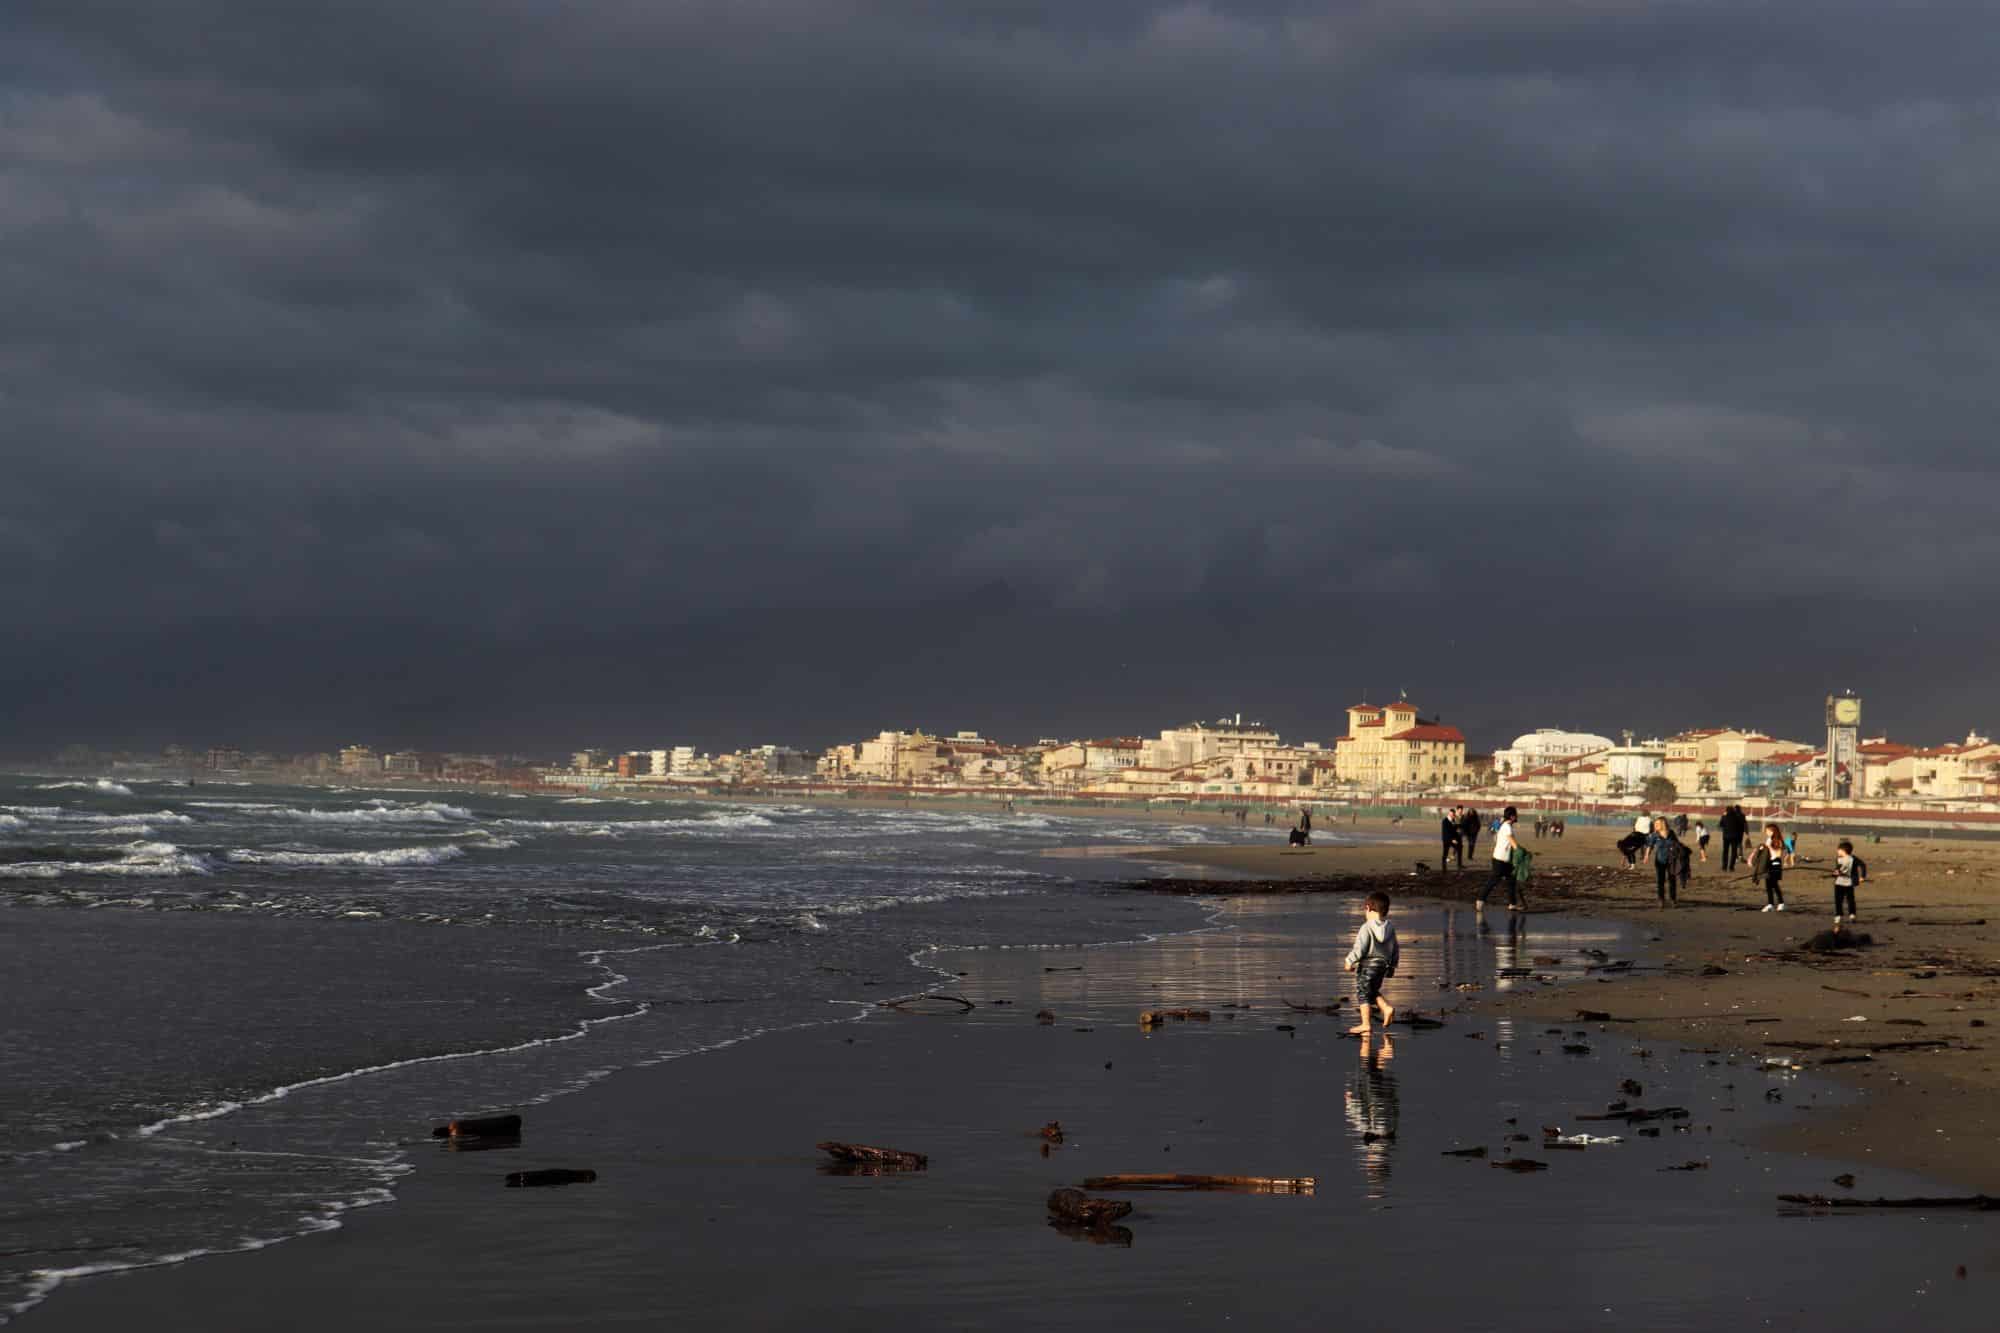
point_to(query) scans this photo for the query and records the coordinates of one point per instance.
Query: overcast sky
(629, 372)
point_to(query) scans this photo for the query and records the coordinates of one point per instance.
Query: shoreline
(1931, 976)
(708, 1180)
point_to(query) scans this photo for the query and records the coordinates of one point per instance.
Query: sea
(236, 1011)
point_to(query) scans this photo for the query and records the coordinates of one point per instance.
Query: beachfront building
(1627, 767)
(1198, 741)
(900, 757)
(1956, 772)
(359, 761)
(1393, 747)
(1076, 764)
(1547, 746)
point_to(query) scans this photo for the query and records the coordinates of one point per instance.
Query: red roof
(1889, 748)
(1430, 733)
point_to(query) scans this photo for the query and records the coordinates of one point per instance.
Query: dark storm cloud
(823, 366)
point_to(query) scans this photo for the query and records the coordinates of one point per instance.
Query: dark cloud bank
(623, 371)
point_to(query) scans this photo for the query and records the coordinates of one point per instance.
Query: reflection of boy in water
(1373, 1110)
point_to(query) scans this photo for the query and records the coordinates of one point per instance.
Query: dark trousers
(1472, 842)
(1665, 881)
(1732, 851)
(1503, 871)
(1773, 873)
(1843, 894)
(1452, 845)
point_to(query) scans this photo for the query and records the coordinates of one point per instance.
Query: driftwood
(1074, 1207)
(965, 1006)
(1639, 1115)
(1333, 1008)
(1519, 1164)
(1152, 1018)
(555, 1175)
(862, 1154)
(1151, 1180)
(1051, 1132)
(480, 1127)
(1480, 1151)
(1984, 1203)
(1689, 1165)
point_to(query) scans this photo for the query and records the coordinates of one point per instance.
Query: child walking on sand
(1769, 861)
(1372, 960)
(1848, 870)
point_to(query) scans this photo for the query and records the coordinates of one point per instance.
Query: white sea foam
(384, 858)
(56, 814)
(105, 785)
(614, 828)
(376, 812)
(146, 859)
(12, 821)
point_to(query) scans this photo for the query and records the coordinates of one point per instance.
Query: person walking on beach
(1453, 842)
(1848, 870)
(1665, 851)
(1735, 824)
(1502, 870)
(1373, 960)
(1701, 839)
(1468, 824)
(1768, 862)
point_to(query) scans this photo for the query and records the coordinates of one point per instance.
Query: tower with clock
(1843, 747)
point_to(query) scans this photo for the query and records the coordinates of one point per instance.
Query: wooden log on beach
(1153, 1180)
(965, 1006)
(1983, 1203)
(480, 1127)
(1075, 1208)
(1152, 1018)
(555, 1175)
(863, 1154)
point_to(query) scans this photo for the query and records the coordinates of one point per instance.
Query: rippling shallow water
(232, 1010)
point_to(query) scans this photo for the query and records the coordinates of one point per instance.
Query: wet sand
(1931, 905)
(712, 1208)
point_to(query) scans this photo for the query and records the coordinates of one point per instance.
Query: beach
(1932, 907)
(712, 1207)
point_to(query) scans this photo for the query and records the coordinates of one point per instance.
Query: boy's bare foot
(1388, 1013)
(1358, 1030)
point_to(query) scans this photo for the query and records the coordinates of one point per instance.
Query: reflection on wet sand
(1374, 1108)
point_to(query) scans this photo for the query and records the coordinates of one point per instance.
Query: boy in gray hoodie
(1373, 959)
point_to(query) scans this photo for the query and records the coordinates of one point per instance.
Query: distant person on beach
(1683, 866)
(1468, 824)
(1680, 825)
(1373, 960)
(1768, 863)
(1453, 841)
(1848, 870)
(1664, 849)
(1735, 824)
(1630, 846)
(1791, 849)
(1701, 839)
(1502, 870)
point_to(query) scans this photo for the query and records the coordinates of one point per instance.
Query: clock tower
(1843, 747)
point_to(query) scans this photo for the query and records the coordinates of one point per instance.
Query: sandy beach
(713, 1208)
(1932, 975)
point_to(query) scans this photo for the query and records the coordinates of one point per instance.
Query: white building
(1547, 746)
(1197, 741)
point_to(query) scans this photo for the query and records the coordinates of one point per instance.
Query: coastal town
(1389, 753)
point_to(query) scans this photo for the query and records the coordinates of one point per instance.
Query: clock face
(1847, 712)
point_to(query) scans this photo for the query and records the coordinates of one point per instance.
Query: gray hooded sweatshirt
(1376, 941)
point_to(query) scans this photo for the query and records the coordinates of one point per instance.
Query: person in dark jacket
(1468, 824)
(1666, 852)
(1453, 841)
(1735, 825)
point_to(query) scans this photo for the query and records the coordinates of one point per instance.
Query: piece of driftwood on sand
(864, 1154)
(1074, 1207)
(1155, 1180)
(1983, 1203)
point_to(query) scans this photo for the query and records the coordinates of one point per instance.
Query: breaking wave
(105, 785)
(382, 858)
(375, 812)
(136, 858)
(56, 814)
